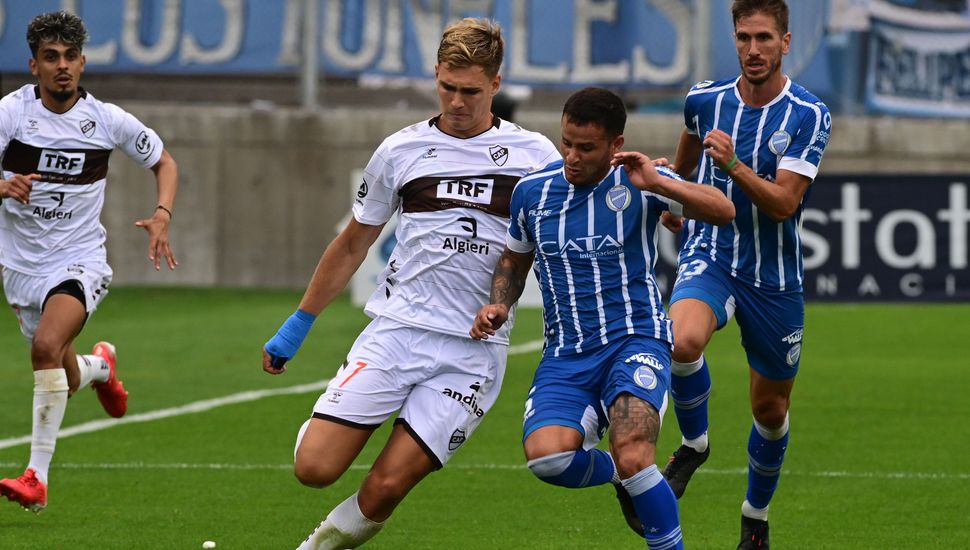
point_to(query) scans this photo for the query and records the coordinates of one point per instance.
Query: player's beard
(62, 95)
(772, 68)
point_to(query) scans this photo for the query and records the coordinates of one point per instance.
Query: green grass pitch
(878, 455)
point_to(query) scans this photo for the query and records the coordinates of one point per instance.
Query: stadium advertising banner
(886, 238)
(572, 42)
(919, 63)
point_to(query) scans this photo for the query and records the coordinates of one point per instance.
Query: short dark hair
(596, 106)
(777, 9)
(56, 26)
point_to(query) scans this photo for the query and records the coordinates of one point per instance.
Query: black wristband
(167, 211)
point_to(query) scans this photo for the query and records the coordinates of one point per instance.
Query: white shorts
(442, 384)
(26, 294)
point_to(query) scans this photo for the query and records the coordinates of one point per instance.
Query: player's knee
(45, 352)
(315, 474)
(387, 488)
(632, 454)
(770, 412)
(550, 467)
(688, 347)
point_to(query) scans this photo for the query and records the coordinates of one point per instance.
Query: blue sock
(765, 457)
(656, 506)
(574, 469)
(690, 393)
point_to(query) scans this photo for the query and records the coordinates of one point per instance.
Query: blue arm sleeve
(287, 340)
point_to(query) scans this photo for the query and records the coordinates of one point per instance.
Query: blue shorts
(576, 390)
(772, 322)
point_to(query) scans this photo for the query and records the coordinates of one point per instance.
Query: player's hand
(718, 146)
(662, 161)
(18, 187)
(489, 319)
(158, 243)
(640, 169)
(274, 365)
(672, 222)
(287, 341)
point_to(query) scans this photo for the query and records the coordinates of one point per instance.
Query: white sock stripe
(551, 465)
(686, 369)
(693, 403)
(670, 540)
(772, 434)
(643, 481)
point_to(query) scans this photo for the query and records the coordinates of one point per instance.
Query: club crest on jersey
(499, 154)
(362, 190)
(457, 438)
(618, 198)
(779, 142)
(87, 127)
(645, 377)
(793, 354)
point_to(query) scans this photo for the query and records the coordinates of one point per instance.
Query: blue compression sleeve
(287, 340)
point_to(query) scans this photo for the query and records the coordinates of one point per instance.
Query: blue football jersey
(789, 133)
(596, 246)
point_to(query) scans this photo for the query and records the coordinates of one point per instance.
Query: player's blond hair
(473, 42)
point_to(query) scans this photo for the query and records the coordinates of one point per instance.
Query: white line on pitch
(208, 404)
(704, 471)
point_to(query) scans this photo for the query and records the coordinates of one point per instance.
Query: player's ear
(496, 84)
(32, 63)
(618, 143)
(785, 43)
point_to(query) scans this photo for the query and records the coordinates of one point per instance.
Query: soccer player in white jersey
(591, 227)
(758, 137)
(55, 139)
(450, 178)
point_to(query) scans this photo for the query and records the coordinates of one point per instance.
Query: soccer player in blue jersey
(759, 138)
(589, 222)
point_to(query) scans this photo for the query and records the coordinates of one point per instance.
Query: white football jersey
(70, 152)
(453, 198)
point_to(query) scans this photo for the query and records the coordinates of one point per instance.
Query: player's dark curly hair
(596, 106)
(56, 26)
(776, 9)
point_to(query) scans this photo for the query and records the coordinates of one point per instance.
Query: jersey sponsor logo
(618, 198)
(795, 337)
(143, 143)
(779, 142)
(457, 438)
(827, 120)
(499, 154)
(587, 247)
(469, 400)
(87, 127)
(537, 213)
(52, 213)
(645, 377)
(703, 84)
(61, 162)
(477, 190)
(646, 359)
(462, 246)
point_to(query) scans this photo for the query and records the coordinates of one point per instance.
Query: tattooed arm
(508, 281)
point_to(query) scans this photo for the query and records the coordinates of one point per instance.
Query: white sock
(749, 511)
(699, 443)
(344, 527)
(93, 369)
(50, 402)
